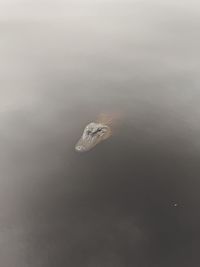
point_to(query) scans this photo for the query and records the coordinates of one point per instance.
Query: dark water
(134, 200)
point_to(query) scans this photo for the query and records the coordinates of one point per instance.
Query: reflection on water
(134, 199)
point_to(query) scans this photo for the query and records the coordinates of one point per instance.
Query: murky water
(133, 200)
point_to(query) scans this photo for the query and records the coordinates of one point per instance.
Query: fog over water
(134, 199)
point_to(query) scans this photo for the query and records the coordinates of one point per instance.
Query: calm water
(134, 200)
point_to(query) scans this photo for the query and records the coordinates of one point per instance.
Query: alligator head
(93, 134)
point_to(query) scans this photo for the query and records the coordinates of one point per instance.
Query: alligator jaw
(92, 135)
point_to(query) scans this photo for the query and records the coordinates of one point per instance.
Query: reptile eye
(89, 132)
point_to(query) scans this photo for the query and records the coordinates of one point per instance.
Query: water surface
(134, 199)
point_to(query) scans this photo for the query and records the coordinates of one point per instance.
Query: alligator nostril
(79, 148)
